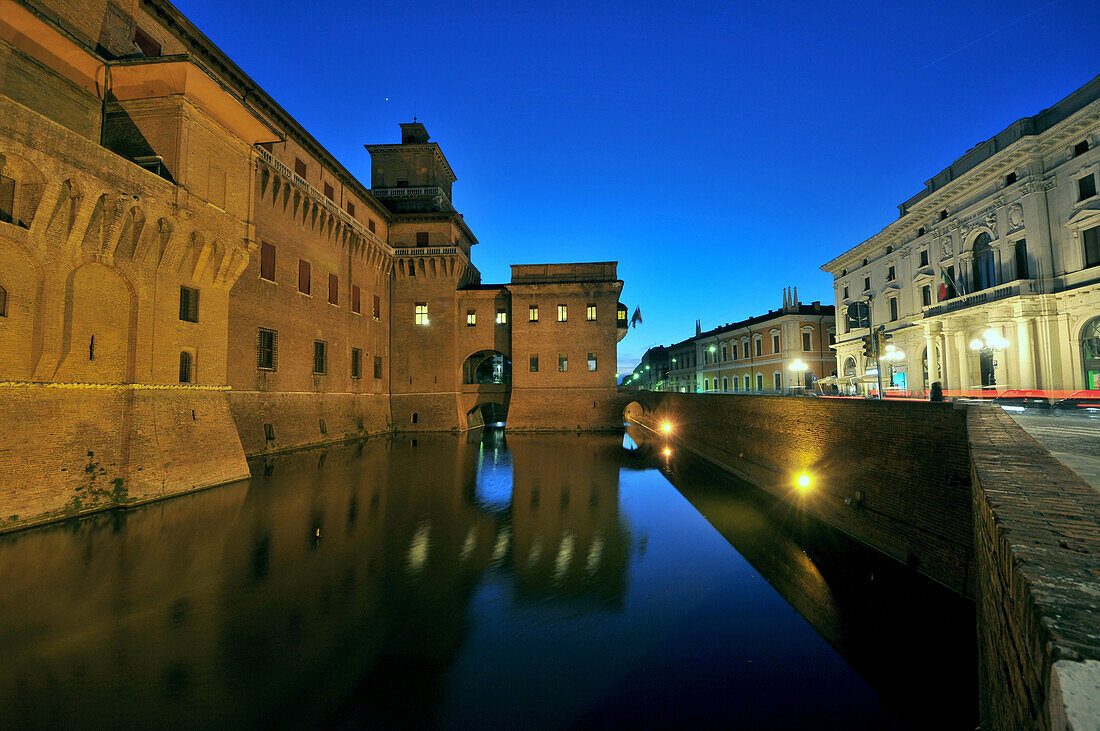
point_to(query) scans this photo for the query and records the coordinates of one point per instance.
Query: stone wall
(89, 448)
(295, 419)
(1037, 554)
(892, 475)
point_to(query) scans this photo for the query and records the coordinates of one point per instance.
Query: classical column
(962, 371)
(1024, 353)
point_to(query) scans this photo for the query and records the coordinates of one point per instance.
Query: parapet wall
(1037, 553)
(565, 409)
(892, 475)
(74, 449)
(295, 420)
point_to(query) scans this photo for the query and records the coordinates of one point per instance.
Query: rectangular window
(267, 261)
(845, 293)
(502, 317)
(1091, 237)
(377, 312)
(420, 313)
(356, 299)
(759, 347)
(146, 44)
(378, 367)
(329, 192)
(866, 283)
(832, 338)
(775, 343)
(590, 313)
(591, 361)
(891, 275)
(920, 231)
(320, 360)
(351, 209)
(747, 381)
(421, 238)
(7, 199)
(893, 308)
(533, 313)
(1021, 259)
(725, 353)
(267, 350)
(777, 381)
(356, 363)
(952, 291)
(759, 381)
(924, 257)
(1086, 187)
(943, 215)
(303, 276)
(370, 225)
(1010, 178)
(1081, 148)
(563, 313)
(533, 364)
(471, 318)
(563, 363)
(807, 341)
(333, 289)
(189, 304)
(300, 167)
(733, 350)
(926, 295)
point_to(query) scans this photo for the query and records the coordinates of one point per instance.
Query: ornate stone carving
(945, 246)
(1015, 216)
(990, 220)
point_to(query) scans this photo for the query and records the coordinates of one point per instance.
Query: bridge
(960, 494)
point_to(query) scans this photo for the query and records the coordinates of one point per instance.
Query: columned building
(989, 278)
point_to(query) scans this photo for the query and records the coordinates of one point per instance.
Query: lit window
(420, 313)
(320, 360)
(563, 313)
(356, 363)
(533, 313)
(502, 317)
(591, 361)
(189, 304)
(591, 313)
(471, 318)
(563, 362)
(266, 349)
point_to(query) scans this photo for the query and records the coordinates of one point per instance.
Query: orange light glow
(666, 427)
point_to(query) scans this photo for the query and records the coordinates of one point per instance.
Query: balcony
(434, 192)
(1000, 292)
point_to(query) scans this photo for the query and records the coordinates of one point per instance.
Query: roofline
(388, 146)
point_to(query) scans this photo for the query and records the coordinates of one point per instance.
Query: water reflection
(441, 580)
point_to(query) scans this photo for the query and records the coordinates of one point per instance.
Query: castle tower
(413, 175)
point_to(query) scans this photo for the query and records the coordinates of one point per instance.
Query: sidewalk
(1074, 442)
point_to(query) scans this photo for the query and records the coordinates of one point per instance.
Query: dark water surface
(474, 581)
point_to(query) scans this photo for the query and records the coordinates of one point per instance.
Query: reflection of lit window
(420, 313)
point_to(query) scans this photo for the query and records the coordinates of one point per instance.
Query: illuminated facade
(988, 278)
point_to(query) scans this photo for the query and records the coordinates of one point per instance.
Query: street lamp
(798, 366)
(990, 341)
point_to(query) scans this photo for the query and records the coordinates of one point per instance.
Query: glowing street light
(666, 427)
(803, 483)
(798, 366)
(668, 452)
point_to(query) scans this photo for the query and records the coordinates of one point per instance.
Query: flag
(636, 320)
(947, 284)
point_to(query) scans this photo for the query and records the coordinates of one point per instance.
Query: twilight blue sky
(718, 151)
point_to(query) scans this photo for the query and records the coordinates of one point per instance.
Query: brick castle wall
(295, 418)
(91, 448)
(892, 475)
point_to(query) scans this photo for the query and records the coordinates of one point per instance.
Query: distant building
(652, 373)
(784, 351)
(989, 276)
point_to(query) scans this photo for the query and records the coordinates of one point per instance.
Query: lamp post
(798, 366)
(990, 341)
(890, 354)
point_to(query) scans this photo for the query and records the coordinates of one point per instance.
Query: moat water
(476, 581)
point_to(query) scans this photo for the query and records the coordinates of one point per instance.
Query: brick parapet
(1037, 546)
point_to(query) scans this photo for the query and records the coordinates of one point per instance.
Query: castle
(187, 277)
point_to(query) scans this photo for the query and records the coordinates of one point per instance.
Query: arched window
(849, 367)
(1090, 353)
(985, 272)
(186, 367)
(3, 302)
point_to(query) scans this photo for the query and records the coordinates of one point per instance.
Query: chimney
(794, 298)
(698, 327)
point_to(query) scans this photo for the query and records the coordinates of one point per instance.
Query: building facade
(187, 276)
(784, 351)
(988, 278)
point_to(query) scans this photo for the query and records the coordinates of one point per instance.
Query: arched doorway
(1090, 353)
(487, 366)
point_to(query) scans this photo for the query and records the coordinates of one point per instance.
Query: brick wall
(1037, 553)
(295, 418)
(71, 451)
(892, 475)
(565, 409)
